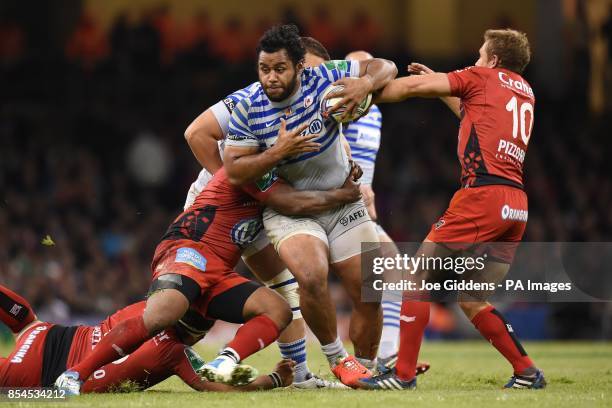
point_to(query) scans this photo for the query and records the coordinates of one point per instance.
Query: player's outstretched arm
(289, 201)
(379, 71)
(452, 102)
(246, 164)
(202, 136)
(434, 85)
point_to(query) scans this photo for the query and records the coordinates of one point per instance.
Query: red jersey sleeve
(467, 83)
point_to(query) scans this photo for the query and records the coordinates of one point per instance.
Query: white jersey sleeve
(224, 108)
(240, 133)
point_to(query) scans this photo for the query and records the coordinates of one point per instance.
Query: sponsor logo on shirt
(191, 257)
(27, 344)
(520, 86)
(245, 231)
(315, 126)
(336, 64)
(229, 104)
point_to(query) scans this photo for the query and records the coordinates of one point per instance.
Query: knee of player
(313, 281)
(155, 323)
(279, 312)
(471, 308)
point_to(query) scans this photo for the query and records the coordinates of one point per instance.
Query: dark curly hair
(285, 37)
(314, 47)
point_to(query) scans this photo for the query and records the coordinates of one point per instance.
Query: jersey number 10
(512, 106)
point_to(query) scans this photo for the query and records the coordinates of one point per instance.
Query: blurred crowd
(94, 166)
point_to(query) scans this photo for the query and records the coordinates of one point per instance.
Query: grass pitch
(463, 374)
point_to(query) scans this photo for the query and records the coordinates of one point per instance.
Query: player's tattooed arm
(202, 136)
(246, 164)
(452, 102)
(289, 201)
(434, 85)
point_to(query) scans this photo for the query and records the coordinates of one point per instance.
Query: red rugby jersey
(223, 217)
(497, 108)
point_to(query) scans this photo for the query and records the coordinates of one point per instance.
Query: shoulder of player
(235, 97)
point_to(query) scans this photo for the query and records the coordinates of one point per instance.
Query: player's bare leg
(307, 257)
(366, 319)
(265, 312)
(269, 268)
(497, 331)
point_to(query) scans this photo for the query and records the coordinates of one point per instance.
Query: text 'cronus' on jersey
(520, 86)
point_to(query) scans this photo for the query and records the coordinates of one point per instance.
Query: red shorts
(487, 214)
(188, 258)
(23, 367)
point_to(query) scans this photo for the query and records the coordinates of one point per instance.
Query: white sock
(389, 339)
(367, 363)
(230, 354)
(334, 351)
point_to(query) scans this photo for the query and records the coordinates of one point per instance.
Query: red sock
(254, 335)
(15, 311)
(413, 320)
(122, 340)
(493, 327)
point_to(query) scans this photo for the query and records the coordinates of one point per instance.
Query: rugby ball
(326, 105)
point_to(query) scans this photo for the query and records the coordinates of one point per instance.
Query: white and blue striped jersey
(363, 136)
(255, 122)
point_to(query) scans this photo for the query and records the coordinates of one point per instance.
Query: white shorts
(343, 230)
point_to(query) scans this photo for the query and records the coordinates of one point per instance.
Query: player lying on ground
(193, 266)
(496, 107)
(309, 244)
(44, 350)
(205, 136)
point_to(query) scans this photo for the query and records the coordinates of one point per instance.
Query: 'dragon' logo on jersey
(245, 231)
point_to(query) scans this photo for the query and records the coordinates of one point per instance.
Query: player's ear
(494, 61)
(299, 67)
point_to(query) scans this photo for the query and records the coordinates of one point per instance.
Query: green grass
(463, 374)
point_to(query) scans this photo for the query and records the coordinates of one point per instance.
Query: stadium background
(95, 97)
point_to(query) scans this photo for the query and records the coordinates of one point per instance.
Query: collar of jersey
(289, 101)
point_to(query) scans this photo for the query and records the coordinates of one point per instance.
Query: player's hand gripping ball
(339, 114)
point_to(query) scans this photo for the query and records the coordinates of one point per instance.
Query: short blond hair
(510, 46)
